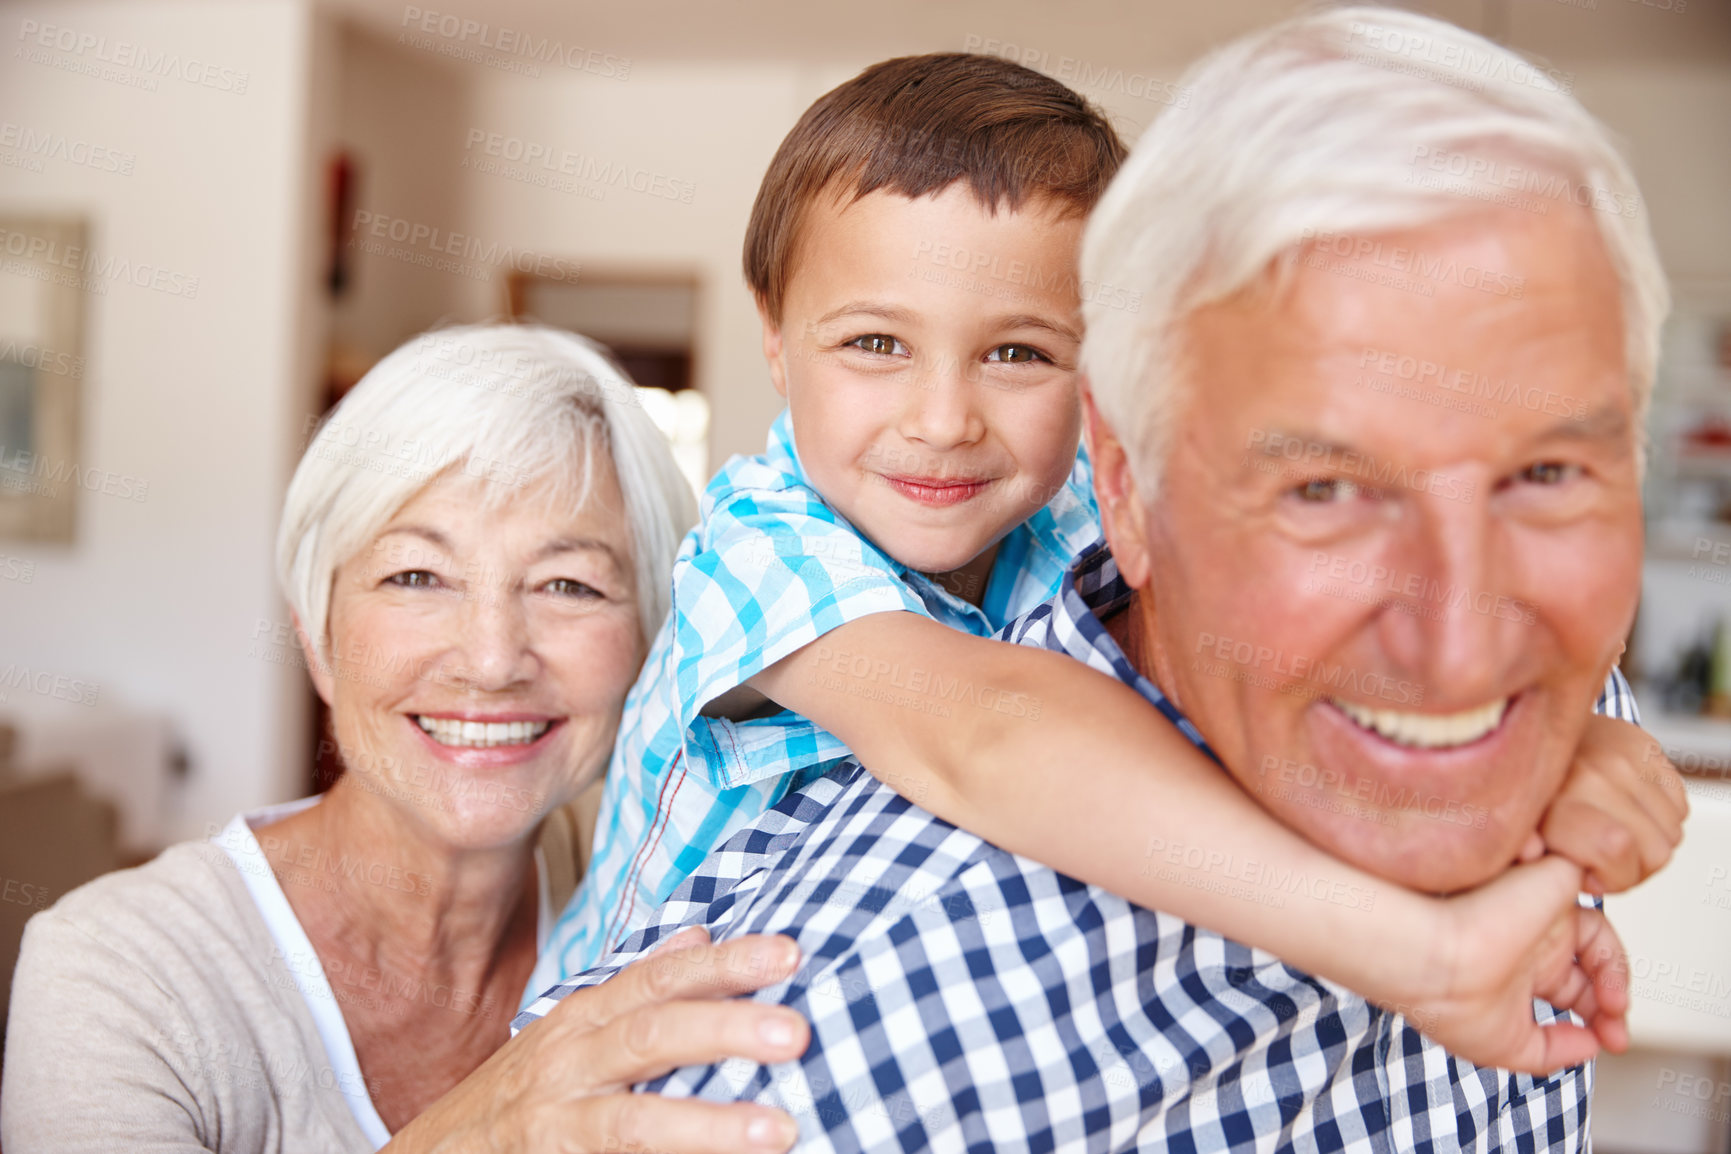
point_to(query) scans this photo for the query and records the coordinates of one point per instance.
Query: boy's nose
(941, 412)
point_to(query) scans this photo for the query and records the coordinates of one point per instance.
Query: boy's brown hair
(917, 124)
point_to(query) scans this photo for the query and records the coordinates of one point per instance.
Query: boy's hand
(1520, 937)
(1620, 812)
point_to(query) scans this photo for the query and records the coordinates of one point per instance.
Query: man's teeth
(1426, 730)
(482, 734)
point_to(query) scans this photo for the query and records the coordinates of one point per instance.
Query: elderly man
(1368, 463)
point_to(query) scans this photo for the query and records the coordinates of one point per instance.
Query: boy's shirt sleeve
(775, 569)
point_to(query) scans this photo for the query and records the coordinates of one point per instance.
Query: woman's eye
(566, 587)
(1017, 355)
(1550, 473)
(413, 579)
(879, 344)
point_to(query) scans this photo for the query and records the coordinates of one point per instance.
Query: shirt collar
(1093, 590)
(1058, 528)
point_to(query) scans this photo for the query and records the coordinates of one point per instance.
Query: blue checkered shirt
(963, 997)
(771, 567)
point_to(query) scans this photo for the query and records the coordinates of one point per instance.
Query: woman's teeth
(1426, 730)
(482, 734)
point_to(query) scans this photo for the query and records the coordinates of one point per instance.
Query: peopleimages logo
(27, 472)
(42, 144)
(1541, 184)
(59, 686)
(1399, 259)
(1296, 673)
(154, 64)
(583, 168)
(88, 270)
(462, 37)
(1478, 386)
(461, 253)
(41, 358)
(1473, 66)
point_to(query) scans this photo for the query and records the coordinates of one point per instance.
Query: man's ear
(1123, 514)
(316, 667)
(772, 350)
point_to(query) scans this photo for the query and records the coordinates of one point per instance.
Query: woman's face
(480, 655)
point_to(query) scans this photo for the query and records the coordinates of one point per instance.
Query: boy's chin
(930, 559)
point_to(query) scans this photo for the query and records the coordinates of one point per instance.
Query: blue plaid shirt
(963, 997)
(771, 567)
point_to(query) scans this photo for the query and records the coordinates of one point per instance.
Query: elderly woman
(475, 547)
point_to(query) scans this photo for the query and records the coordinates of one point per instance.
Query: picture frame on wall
(42, 291)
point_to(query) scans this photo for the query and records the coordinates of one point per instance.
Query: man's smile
(1426, 730)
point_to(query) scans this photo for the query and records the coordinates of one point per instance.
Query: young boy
(913, 253)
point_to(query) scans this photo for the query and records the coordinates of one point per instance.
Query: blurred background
(214, 217)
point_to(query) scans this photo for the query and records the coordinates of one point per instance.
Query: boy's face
(927, 350)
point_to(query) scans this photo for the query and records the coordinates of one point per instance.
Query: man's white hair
(524, 407)
(1332, 124)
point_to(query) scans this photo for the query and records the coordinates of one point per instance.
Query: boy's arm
(1138, 788)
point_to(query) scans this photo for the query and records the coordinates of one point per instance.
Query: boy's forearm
(1052, 760)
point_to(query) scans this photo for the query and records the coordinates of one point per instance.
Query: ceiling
(1123, 33)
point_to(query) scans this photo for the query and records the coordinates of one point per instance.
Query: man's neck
(1132, 627)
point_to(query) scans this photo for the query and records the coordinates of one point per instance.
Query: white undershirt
(291, 939)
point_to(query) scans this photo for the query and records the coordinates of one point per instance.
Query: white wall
(156, 601)
(711, 128)
(399, 115)
(1672, 123)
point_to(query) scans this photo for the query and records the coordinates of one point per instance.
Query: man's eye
(566, 587)
(1322, 491)
(880, 344)
(1550, 473)
(1017, 355)
(413, 579)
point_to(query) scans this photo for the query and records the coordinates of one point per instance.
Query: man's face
(1397, 542)
(927, 351)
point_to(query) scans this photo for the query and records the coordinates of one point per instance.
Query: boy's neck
(969, 582)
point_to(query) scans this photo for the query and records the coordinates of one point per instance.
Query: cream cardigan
(152, 1011)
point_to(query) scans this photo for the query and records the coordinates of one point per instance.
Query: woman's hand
(564, 1084)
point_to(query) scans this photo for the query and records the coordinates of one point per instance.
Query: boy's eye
(1017, 355)
(880, 344)
(413, 579)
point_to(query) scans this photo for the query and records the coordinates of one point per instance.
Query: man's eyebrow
(1609, 422)
(1277, 439)
(868, 308)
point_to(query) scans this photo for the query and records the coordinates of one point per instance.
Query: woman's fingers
(647, 1124)
(651, 1040)
(686, 966)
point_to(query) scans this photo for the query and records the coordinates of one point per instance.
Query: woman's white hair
(523, 406)
(1332, 123)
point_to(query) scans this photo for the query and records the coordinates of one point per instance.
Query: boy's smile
(927, 349)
